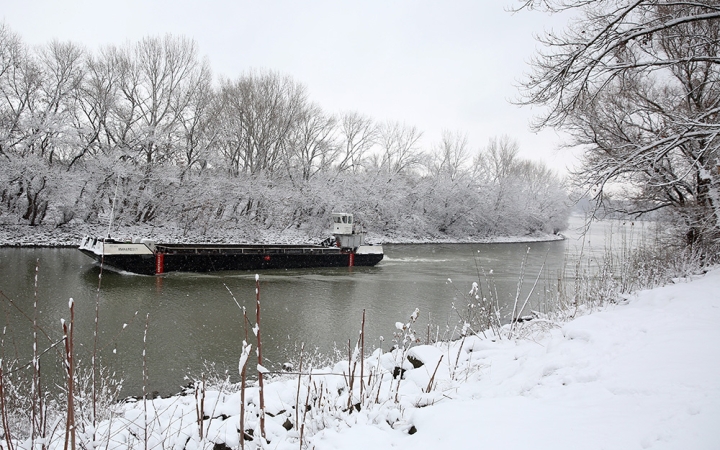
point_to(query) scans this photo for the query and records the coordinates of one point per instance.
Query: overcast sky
(436, 65)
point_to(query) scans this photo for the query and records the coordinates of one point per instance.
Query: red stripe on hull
(159, 263)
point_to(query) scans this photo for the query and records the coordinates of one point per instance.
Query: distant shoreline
(25, 236)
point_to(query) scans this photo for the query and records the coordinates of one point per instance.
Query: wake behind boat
(144, 256)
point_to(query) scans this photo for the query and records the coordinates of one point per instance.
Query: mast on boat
(112, 210)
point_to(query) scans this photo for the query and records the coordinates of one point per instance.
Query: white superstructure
(110, 247)
(347, 235)
(342, 223)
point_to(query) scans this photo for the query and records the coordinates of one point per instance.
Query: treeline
(148, 120)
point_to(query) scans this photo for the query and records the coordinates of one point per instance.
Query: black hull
(161, 263)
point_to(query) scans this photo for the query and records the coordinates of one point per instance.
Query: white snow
(641, 373)
(244, 357)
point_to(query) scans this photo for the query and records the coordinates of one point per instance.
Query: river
(195, 321)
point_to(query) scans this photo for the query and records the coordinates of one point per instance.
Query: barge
(347, 248)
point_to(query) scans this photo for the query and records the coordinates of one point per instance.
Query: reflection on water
(193, 318)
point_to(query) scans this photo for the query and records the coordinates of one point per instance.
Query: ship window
(349, 219)
(337, 219)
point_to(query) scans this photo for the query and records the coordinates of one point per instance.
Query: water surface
(192, 319)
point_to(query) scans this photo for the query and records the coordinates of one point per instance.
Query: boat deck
(249, 249)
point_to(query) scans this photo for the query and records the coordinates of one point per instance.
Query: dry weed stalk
(297, 393)
(3, 402)
(35, 392)
(145, 381)
(200, 405)
(261, 393)
(242, 368)
(93, 360)
(68, 331)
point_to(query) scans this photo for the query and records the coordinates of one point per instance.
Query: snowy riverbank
(644, 373)
(70, 236)
(640, 373)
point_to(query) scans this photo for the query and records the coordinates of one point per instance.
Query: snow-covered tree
(359, 134)
(312, 145)
(262, 110)
(399, 147)
(255, 153)
(158, 80)
(637, 85)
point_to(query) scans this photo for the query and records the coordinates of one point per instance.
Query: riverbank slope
(640, 373)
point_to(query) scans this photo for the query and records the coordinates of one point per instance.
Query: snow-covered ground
(640, 373)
